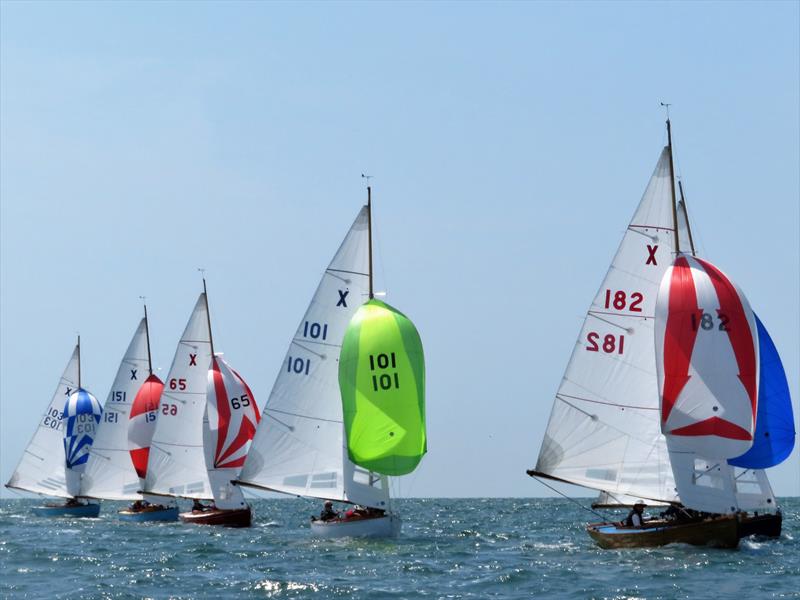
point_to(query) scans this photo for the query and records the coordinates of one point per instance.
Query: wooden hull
(81, 511)
(169, 513)
(767, 525)
(386, 526)
(239, 517)
(719, 532)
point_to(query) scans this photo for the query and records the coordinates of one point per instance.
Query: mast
(208, 318)
(79, 361)
(686, 214)
(147, 337)
(369, 237)
(672, 188)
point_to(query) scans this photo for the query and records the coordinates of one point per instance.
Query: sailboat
(118, 458)
(301, 447)
(56, 456)
(604, 431)
(176, 464)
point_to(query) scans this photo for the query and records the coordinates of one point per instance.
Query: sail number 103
(610, 343)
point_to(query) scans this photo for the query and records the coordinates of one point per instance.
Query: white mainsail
(176, 465)
(42, 467)
(299, 447)
(603, 431)
(109, 473)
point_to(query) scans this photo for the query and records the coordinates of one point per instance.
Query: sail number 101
(384, 381)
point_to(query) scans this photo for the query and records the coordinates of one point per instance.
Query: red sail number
(618, 300)
(610, 344)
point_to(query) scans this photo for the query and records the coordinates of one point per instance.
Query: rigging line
(617, 314)
(299, 345)
(291, 414)
(591, 510)
(307, 341)
(328, 270)
(620, 432)
(590, 415)
(339, 277)
(592, 313)
(558, 394)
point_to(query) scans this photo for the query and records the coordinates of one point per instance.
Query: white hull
(388, 526)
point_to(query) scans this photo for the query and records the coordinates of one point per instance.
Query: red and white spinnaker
(707, 360)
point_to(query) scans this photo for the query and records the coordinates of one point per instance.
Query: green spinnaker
(382, 383)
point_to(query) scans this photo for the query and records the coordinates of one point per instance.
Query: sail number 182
(619, 300)
(610, 343)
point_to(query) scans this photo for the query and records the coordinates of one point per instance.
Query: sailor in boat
(673, 513)
(328, 514)
(363, 512)
(635, 518)
(198, 506)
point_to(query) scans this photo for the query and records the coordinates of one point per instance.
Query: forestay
(110, 474)
(82, 413)
(603, 431)
(298, 448)
(230, 423)
(176, 465)
(41, 469)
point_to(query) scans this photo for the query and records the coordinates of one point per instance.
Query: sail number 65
(610, 344)
(243, 400)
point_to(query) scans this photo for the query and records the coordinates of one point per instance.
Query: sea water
(481, 548)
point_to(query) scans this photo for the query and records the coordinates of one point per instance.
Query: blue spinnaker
(774, 436)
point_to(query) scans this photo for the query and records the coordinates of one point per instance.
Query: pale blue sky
(510, 144)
